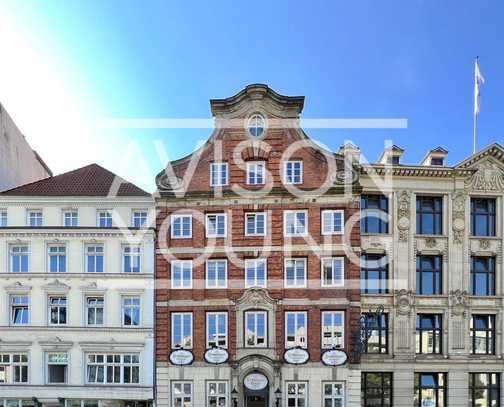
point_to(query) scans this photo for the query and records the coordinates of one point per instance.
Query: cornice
(415, 171)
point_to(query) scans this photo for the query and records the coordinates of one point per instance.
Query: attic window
(394, 160)
(436, 161)
(256, 125)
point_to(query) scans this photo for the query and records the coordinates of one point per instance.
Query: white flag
(478, 81)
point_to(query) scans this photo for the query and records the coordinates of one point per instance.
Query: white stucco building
(19, 164)
(76, 298)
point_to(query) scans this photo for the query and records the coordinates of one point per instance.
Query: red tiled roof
(91, 180)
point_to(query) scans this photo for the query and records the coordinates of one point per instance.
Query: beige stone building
(434, 261)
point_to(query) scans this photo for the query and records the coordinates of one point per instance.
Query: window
(181, 274)
(255, 173)
(216, 225)
(429, 215)
(139, 219)
(334, 394)
(70, 219)
(104, 219)
(3, 218)
(94, 259)
(296, 329)
(429, 328)
(56, 258)
(332, 222)
(255, 329)
(376, 389)
(374, 274)
(429, 275)
(255, 224)
(181, 394)
(217, 394)
(483, 276)
(217, 326)
(181, 226)
(216, 275)
(94, 311)
(293, 172)
(483, 334)
(57, 368)
(132, 259)
(395, 159)
(430, 390)
(57, 311)
(35, 218)
(255, 273)
(333, 272)
(256, 125)
(483, 217)
(19, 258)
(295, 223)
(131, 311)
(376, 331)
(218, 174)
(295, 273)
(13, 368)
(333, 329)
(112, 368)
(484, 389)
(374, 214)
(20, 312)
(182, 328)
(297, 394)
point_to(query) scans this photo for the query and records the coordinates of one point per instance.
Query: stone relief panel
(459, 304)
(458, 216)
(404, 302)
(403, 215)
(489, 177)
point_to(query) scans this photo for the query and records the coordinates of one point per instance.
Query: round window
(256, 125)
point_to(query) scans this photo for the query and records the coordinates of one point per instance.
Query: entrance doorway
(256, 401)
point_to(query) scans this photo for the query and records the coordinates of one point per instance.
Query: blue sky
(67, 64)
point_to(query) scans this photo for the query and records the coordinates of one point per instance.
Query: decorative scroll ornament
(458, 303)
(403, 212)
(404, 301)
(489, 177)
(255, 297)
(458, 216)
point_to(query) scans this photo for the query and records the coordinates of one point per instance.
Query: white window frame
(10, 367)
(295, 212)
(122, 365)
(181, 264)
(256, 312)
(11, 309)
(49, 306)
(219, 178)
(333, 397)
(123, 308)
(296, 284)
(56, 254)
(4, 217)
(31, 211)
(139, 211)
(11, 254)
(86, 259)
(191, 328)
(334, 329)
(217, 396)
(207, 229)
(173, 218)
(333, 213)
(256, 281)
(296, 322)
(335, 283)
(296, 396)
(217, 286)
(216, 313)
(182, 396)
(71, 212)
(87, 307)
(255, 214)
(108, 211)
(255, 165)
(135, 251)
(286, 163)
(67, 364)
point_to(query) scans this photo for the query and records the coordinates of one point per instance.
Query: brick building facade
(257, 252)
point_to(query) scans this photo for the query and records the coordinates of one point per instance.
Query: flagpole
(475, 123)
(475, 113)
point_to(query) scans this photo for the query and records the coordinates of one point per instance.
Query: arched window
(256, 125)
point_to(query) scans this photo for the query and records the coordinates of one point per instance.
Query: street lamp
(234, 396)
(278, 397)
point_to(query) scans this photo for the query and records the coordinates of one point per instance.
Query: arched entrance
(256, 387)
(257, 399)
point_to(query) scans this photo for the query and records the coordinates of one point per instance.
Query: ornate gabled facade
(434, 260)
(256, 264)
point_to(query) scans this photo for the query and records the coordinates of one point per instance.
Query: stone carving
(458, 216)
(458, 303)
(404, 301)
(488, 177)
(403, 212)
(255, 297)
(430, 242)
(484, 244)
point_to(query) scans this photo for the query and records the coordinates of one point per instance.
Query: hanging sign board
(296, 356)
(216, 356)
(181, 357)
(255, 381)
(334, 357)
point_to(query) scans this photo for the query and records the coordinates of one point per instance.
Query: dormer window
(437, 161)
(394, 160)
(256, 125)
